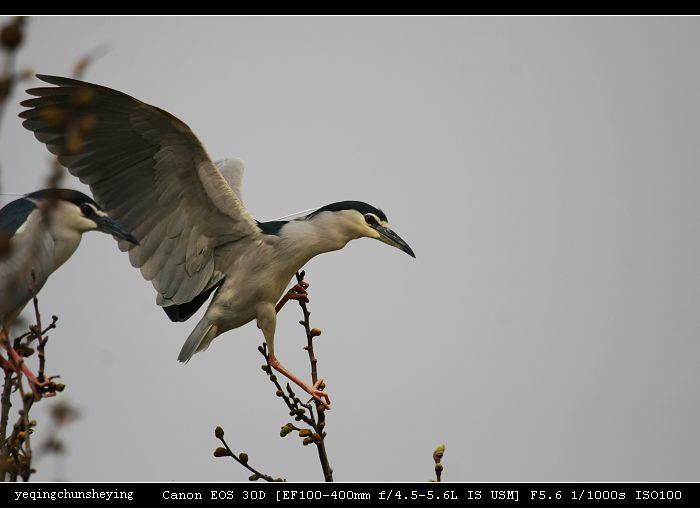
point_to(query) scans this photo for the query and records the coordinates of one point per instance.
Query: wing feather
(150, 172)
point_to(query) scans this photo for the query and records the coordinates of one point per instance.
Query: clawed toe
(298, 292)
(42, 389)
(320, 396)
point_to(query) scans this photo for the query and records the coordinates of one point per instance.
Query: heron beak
(387, 236)
(108, 225)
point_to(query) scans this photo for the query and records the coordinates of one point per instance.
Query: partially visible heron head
(80, 213)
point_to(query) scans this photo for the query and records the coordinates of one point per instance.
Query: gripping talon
(297, 292)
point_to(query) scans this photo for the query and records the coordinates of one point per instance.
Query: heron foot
(40, 389)
(43, 389)
(297, 292)
(320, 396)
(316, 391)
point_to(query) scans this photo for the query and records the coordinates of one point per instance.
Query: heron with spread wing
(150, 172)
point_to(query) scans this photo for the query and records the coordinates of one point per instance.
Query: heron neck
(66, 241)
(302, 240)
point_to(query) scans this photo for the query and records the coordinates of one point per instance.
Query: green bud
(254, 477)
(438, 468)
(221, 452)
(439, 452)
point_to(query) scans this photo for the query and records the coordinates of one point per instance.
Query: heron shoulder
(15, 214)
(273, 227)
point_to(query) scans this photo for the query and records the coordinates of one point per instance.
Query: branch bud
(286, 429)
(221, 452)
(219, 433)
(438, 454)
(244, 457)
(11, 34)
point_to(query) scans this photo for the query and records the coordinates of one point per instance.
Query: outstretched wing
(232, 171)
(149, 171)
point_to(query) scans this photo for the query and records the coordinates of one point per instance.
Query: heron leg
(315, 391)
(15, 362)
(298, 292)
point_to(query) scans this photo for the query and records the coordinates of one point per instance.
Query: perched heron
(196, 238)
(41, 231)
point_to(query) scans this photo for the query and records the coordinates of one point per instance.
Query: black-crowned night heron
(152, 174)
(40, 232)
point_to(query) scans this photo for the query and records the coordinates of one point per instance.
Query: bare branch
(241, 458)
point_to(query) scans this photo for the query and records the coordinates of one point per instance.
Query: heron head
(366, 221)
(79, 212)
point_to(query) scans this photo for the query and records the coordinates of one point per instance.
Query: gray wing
(149, 171)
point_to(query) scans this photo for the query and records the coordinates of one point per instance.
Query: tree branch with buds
(311, 413)
(15, 449)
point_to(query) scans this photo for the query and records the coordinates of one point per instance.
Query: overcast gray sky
(544, 170)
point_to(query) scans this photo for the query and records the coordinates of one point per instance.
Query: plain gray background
(544, 170)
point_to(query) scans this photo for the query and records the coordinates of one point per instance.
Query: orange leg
(39, 388)
(315, 391)
(298, 292)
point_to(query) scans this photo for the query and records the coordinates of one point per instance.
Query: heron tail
(199, 339)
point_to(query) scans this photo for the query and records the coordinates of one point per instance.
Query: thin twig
(5, 405)
(242, 459)
(304, 412)
(321, 415)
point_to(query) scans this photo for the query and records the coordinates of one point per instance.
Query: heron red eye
(86, 209)
(369, 219)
